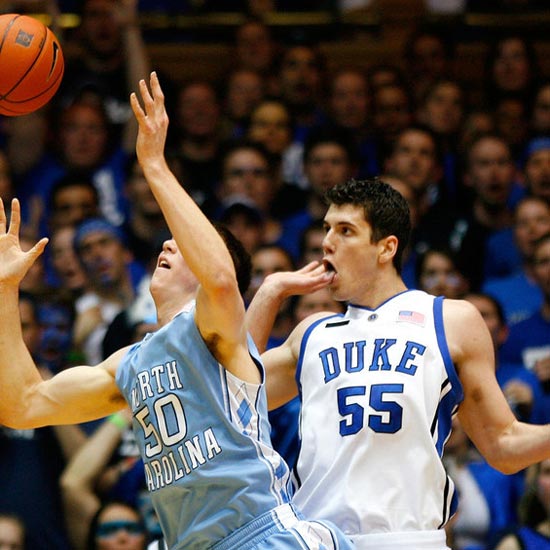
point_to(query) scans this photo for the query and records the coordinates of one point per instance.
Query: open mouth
(328, 266)
(163, 263)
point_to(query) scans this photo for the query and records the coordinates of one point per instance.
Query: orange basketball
(31, 64)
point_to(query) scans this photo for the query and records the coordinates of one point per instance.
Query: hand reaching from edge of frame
(14, 263)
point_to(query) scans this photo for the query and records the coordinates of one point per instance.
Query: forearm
(18, 372)
(197, 239)
(519, 446)
(262, 312)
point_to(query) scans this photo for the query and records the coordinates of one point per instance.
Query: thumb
(38, 248)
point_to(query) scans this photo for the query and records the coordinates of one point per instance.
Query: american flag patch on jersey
(408, 316)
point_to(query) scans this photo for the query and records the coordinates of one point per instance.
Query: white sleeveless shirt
(378, 390)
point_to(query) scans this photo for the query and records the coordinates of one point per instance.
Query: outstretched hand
(152, 120)
(14, 262)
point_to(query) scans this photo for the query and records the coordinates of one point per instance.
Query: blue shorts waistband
(274, 521)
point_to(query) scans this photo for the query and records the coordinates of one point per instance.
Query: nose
(327, 242)
(169, 245)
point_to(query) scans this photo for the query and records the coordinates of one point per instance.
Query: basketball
(31, 64)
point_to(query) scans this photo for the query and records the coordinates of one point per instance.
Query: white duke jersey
(378, 391)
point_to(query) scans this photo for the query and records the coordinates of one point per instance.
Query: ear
(387, 248)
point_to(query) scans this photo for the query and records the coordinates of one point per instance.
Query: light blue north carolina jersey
(204, 437)
(378, 391)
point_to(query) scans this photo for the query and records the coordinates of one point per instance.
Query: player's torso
(203, 435)
(378, 389)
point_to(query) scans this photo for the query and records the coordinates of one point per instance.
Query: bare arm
(74, 395)
(507, 444)
(275, 289)
(220, 308)
(280, 364)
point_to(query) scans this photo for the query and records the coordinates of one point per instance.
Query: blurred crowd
(257, 152)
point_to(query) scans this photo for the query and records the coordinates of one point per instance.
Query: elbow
(223, 283)
(15, 417)
(505, 467)
(505, 463)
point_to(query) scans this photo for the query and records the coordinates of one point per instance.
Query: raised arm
(220, 308)
(507, 444)
(26, 400)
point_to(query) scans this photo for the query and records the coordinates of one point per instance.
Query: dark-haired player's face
(349, 252)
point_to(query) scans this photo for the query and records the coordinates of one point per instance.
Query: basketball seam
(29, 69)
(8, 28)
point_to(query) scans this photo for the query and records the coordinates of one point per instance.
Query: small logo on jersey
(413, 317)
(24, 38)
(337, 324)
(372, 317)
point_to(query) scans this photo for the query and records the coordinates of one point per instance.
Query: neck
(384, 288)
(169, 308)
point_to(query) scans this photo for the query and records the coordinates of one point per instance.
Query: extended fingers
(310, 267)
(155, 87)
(136, 107)
(2, 217)
(15, 218)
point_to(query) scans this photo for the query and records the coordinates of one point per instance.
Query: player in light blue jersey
(195, 386)
(379, 384)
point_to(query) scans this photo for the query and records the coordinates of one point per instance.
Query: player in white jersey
(194, 386)
(379, 384)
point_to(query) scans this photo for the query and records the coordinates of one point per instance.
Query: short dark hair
(241, 258)
(384, 208)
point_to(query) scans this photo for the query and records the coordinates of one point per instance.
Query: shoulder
(114, 360)
(460, 311)
(465, 328)
(307, 324)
